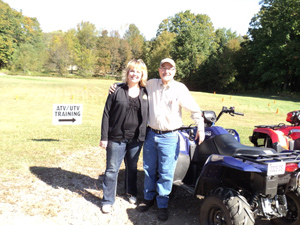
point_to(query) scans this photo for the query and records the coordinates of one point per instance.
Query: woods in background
(267, 58)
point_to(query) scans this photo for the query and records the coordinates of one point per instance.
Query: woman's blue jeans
(160, 155)
(115, 153)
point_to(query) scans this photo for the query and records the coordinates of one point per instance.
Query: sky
(112, 15)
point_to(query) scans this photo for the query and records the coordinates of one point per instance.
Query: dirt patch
(70, 194)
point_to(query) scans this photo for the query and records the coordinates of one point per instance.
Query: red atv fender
(281, 136)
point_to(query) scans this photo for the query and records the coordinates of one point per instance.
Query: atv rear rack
(287, 157)
(274, 127)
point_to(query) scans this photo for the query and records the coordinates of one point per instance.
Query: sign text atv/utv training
(67, 114)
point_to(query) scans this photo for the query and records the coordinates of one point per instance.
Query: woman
(123, 131)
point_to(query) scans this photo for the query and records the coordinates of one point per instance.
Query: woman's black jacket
(115, 111)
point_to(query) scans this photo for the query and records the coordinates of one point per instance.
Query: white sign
(67, 114)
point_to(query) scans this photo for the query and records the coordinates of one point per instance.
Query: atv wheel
(225, 207)
(293, 214)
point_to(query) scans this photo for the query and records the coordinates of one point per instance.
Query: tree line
(266, 59)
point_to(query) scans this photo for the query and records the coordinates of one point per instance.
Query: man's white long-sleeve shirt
(166, 103)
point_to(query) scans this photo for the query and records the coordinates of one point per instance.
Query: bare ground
(68, 194)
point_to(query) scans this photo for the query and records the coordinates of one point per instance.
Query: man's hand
(112, 88)
(200, 135)
(103, 144)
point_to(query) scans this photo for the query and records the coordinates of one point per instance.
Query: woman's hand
(103, 144)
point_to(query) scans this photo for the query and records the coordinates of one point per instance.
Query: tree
(19, 36)
(73, 47)
(103, 54)
(219, 70)
(275, 42)
(135, 40)
(193, 43)
(125, 54)
(6, 49)
(114, 47)
(25, 58)
(9, 27)
(244, 63)
(59, 54)
(223, 37)
(31, 50)
(87, 61)
(160, 49)
(7, 41)
(29, 57)
(87, 36)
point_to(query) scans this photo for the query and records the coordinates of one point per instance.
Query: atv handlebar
(230, 110)
(239, 114)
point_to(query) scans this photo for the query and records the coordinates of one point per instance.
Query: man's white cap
(168, 60)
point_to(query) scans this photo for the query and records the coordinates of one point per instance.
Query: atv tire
(226, 207)
(293, 215)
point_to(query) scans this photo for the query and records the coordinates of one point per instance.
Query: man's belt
(162, 131)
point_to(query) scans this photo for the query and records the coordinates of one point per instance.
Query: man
(166, 99)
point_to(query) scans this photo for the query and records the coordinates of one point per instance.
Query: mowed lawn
(28, 137)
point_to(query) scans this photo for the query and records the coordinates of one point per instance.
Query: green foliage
(86, 62)
(87, 35)
(73, 46)
(6, 49)
(275, 34)
(193, 43)
(114, 46)
(59, 55)
(160, 49)
(267, 59)
(87, 38)
(103, 54)
(219, 70)
(126, 53)
(20, 37)
(8, 21)
(27, 58)
(136, 41)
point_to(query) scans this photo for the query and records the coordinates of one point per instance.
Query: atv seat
(226, 144)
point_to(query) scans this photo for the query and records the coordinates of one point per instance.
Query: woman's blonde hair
(137, 64)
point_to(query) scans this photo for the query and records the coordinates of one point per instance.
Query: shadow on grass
(45, 139)
(75, 182)
(80, 183)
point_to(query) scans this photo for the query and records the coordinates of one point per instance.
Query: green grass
(27, 134)
(261, 110)
(28, 137)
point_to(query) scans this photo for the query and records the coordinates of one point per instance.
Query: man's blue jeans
(115, 153)
(160, 155)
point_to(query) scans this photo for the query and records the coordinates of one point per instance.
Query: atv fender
(215, 173)
(276, 136)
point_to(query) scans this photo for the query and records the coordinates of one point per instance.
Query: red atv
(279, 137)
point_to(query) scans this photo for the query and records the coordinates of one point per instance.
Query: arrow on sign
(67, 120)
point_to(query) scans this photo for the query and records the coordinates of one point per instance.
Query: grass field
(52, 174)
(28, 137)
